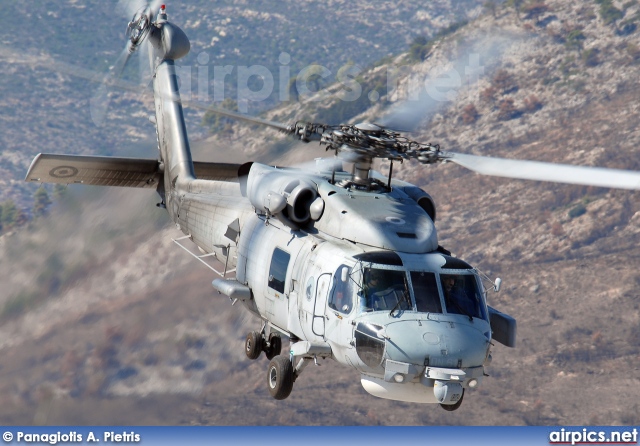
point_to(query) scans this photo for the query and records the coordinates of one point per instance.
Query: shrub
(507, 110)
(609, 13)
(577, 211)
(532, 103)
(490, 5)
(469, 114)
(574, 39)
(341, 111)
(535, 10)
(488, 94)
(420, 48)
(421, 45)
(19, 304)
(41, 202)
(557, 229)
(516, 5)
(590, 57)
(9, 214)
(634, 51)
(217, 123)
(568, 67)
(504, 81)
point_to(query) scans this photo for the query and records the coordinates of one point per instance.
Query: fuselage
(310, 283)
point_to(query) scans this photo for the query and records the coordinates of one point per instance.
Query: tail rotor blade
(99, 104)
(144, 52)
(100, 101)
(540, 171)
(121, 62)
(127, 8)
(154, 8)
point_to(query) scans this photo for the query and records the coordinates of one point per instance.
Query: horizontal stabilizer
(93, 170)
(112, 171)
(216, 171)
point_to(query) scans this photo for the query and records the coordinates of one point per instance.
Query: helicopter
(346, 264)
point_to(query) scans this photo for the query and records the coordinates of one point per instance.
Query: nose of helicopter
(453, 349)
(449, 342)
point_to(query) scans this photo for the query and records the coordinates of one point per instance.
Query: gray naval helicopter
(345, 264)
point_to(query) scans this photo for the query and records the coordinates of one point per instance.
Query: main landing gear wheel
(452, 407)
(280, 377)
(275, 346)
(253, 345)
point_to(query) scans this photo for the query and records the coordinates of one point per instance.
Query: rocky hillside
(102, 311)
(44, 110)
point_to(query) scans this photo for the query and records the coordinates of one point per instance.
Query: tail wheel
(452, 407)
(275, 346)
(253, 345)
(280, 377)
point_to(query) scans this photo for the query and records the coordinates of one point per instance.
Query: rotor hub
(138, 28)
(361, 143)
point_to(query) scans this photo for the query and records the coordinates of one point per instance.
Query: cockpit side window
(462, 295)
(425, 290)
(384, 290)
(278, 269)
(341, 298)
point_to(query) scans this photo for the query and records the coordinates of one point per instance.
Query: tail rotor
(143, 15)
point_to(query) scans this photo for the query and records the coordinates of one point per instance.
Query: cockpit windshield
(462, 295)
(425, 290)
(384, 289)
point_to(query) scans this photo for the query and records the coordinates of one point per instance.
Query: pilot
(373, 285)
(455, 298)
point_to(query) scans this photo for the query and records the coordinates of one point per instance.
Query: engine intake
(423, 199)
(291, 199)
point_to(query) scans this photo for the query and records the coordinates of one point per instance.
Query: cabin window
(425, 290)
(278, 269)
(341, 298)
(462, 295)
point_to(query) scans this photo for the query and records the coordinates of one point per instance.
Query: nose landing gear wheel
(275, 346)
(280, 377)
(253, 345)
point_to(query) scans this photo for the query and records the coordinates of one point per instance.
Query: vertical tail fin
(170, 43)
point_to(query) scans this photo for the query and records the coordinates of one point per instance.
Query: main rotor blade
(235, 115)
(540, 171)
(109, 80)
(427, 96)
